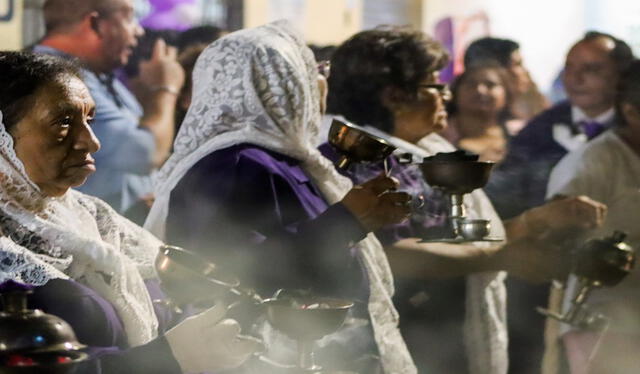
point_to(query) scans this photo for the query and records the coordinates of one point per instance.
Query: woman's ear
(394, 99)
(323, 87)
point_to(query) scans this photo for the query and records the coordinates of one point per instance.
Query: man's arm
(533, 251)
(532, 260)
(414, 259)
(158, 85)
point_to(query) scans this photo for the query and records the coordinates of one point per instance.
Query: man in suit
(590, 76)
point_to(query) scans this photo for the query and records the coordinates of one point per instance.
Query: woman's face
(417, 118)
(521, 78)
(54, 139)
(482, 92)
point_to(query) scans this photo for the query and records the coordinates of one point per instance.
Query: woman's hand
(375, 203)
(565, 214)
(206, 342)
(541, 239)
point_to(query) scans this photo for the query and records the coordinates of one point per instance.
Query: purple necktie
(592, 128)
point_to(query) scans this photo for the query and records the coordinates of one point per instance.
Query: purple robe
(431, 313)
(428, 221)
(97, 325)
(259, 214)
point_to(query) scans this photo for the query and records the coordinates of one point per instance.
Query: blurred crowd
(218, 142)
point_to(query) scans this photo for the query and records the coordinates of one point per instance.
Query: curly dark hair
(21, 74)
(374, 60)
(203, 34)
(628, 90)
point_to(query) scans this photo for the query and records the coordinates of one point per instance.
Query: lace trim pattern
(259, 86)
(74, 236)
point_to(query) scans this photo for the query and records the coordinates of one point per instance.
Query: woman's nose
(87, 140)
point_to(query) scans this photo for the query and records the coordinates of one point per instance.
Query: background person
(608, 169)
(246, 187)
(402, 100)
(136, 137)
(527, 101)
(590, 76)
(591, 73)
(479, 111)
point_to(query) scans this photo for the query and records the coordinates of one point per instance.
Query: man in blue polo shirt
(136, 137)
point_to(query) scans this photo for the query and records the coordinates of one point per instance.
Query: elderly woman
(387, 78)
(246, 186)
(87, 264)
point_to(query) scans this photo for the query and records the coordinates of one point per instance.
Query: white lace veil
(258, 86)
(74, 236)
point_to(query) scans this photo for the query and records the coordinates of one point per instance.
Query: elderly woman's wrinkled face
(54, 139)
(425, 114)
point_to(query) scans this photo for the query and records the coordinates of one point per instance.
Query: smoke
(345, 349)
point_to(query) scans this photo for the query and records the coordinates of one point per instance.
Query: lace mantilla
(74, 236)
(258, 86)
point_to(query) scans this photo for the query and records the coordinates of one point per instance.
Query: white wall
(395, 12)
(618, 17)
(322, 22)
(544, 35)
(11, 25)
(545, 29)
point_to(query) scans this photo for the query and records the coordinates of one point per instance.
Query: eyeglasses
(324, 68)
(442, 89)
(436, 86)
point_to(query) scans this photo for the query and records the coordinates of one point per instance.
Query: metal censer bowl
(597, 263)
(355, 144)
(457, 177)
(187, 277)
(306, 319)
(32, 341)
(472, 229)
